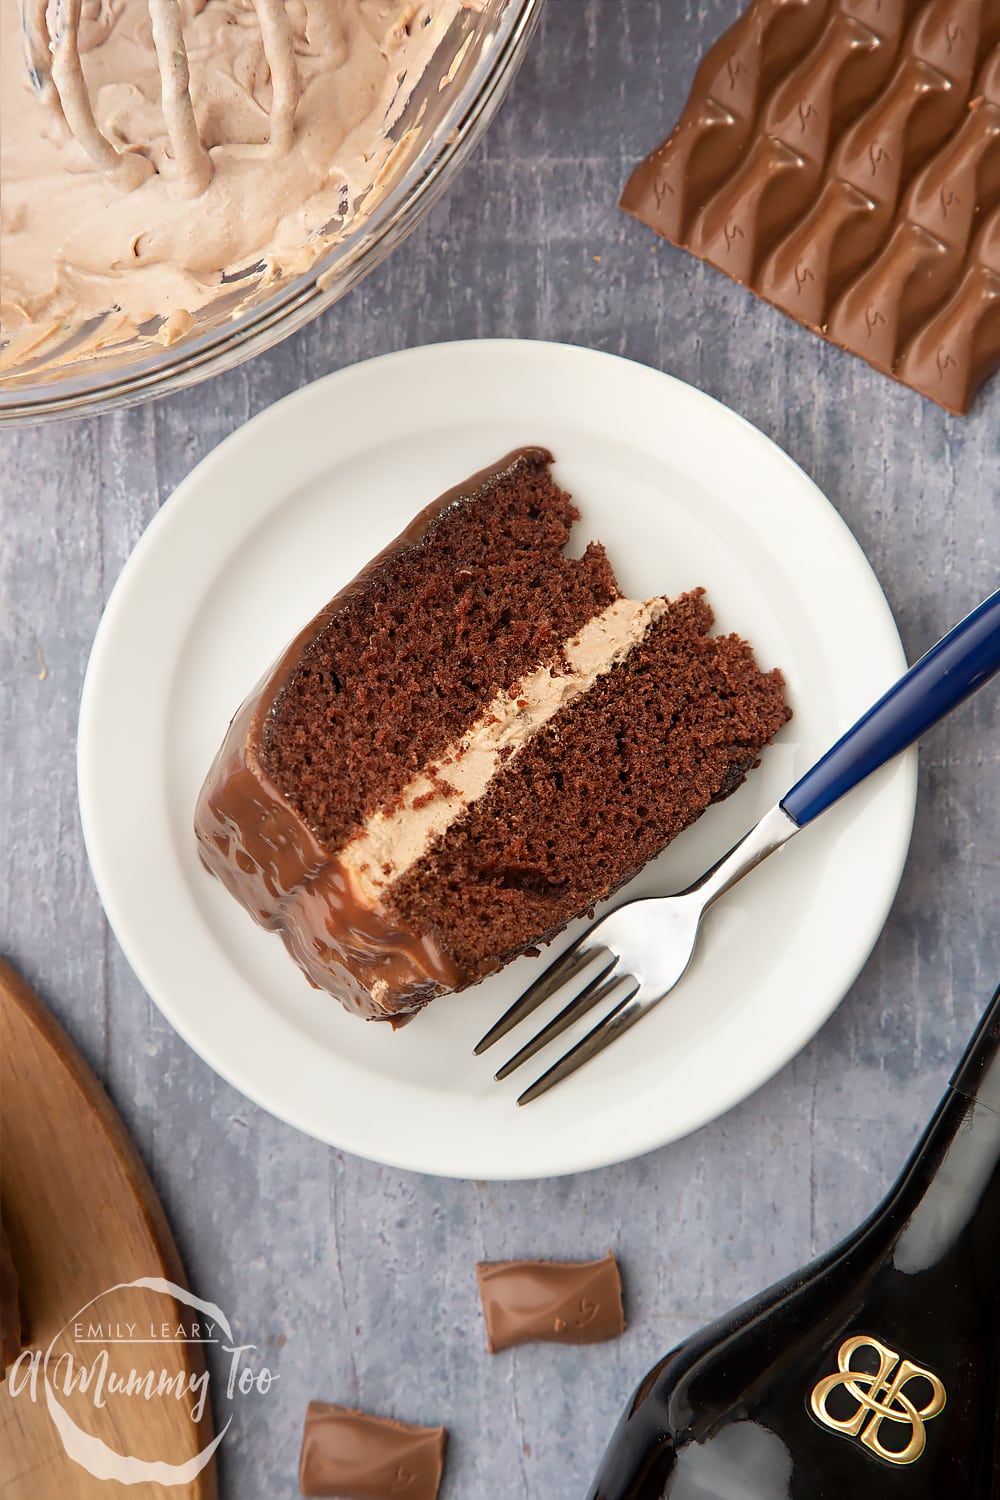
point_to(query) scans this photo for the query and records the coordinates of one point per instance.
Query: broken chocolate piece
(347, 1455)
(842, 159)
(552, 1302)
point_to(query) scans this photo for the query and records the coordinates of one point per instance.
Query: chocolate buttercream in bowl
(183, 186)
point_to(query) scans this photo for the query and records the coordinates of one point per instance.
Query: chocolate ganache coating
(269, 858)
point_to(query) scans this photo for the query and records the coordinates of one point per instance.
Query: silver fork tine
(592, 994)
(563, 968)
(625, 1014)
(652, 939)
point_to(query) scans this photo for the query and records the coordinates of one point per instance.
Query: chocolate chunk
(549, 1301)
(10, 1313)
(842, 159)
(348, 1455)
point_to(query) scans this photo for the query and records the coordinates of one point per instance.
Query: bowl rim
(399, 212)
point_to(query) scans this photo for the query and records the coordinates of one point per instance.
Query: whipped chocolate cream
(130, 202)
(347, 1455)
(551, 1302)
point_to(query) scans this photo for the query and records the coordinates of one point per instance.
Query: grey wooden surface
(355, 1281)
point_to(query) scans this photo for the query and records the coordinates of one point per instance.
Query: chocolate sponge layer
(409, 661)
(598, 792)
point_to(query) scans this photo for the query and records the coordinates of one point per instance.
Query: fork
(634, 956)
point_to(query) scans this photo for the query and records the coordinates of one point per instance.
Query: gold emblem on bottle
(881, 1396)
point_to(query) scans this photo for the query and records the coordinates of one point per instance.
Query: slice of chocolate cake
(474, 742)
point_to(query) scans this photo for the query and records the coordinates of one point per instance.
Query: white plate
(283, 513)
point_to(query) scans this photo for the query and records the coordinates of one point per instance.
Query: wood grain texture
(357, 1282)
(83, 1221)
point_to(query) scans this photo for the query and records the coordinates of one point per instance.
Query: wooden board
(82, 1217)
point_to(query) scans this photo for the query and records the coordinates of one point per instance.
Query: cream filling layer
(392, 841)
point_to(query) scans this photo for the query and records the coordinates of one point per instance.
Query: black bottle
(874, 1374)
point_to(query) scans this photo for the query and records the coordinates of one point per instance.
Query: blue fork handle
(960, 663)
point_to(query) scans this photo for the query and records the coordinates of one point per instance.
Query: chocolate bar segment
(842, 159)
(552, 1302)
(347, 1455)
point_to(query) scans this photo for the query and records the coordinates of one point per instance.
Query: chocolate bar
(842, 159)
(351, 1456)
(554, 1302)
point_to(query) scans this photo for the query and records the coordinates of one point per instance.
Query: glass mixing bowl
(458, 95)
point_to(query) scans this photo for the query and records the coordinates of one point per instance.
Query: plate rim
(173, 512)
